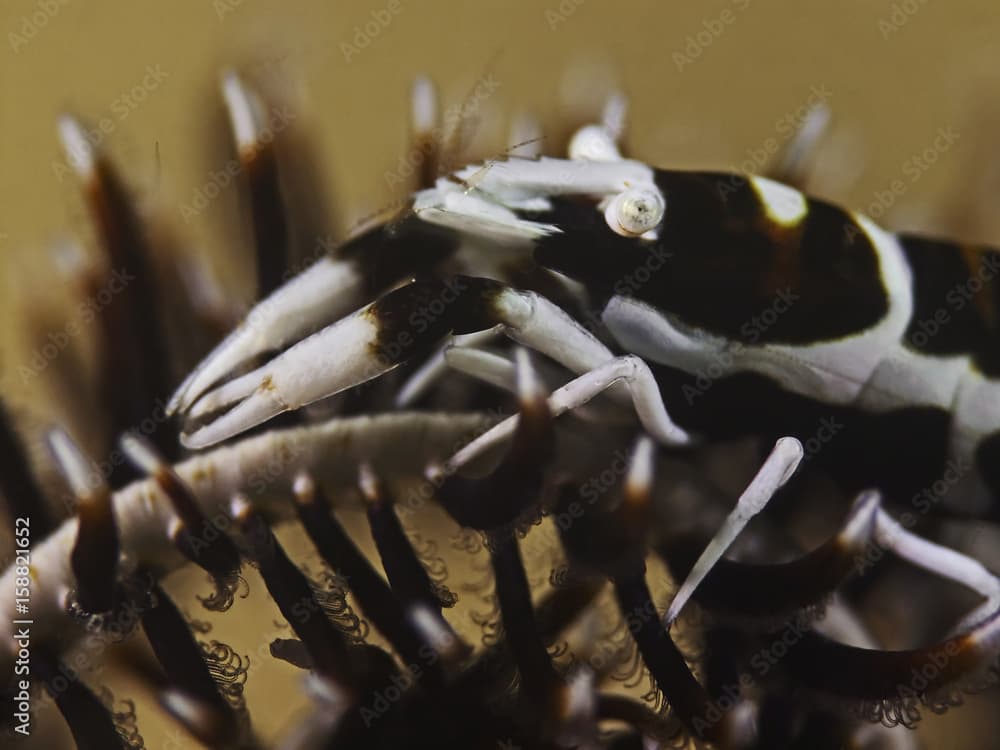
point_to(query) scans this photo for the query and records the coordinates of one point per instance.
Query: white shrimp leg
(398, 446)
(338, 357)
(501, 372)
(631, 371)
(944, 562)
(535, 322)
(356, 349)
(327, 290)
(777, 469)
(491, 368)
(436, 365)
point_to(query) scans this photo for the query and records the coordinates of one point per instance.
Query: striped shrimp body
(731, 303)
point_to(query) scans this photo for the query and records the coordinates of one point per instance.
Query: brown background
(892, 88)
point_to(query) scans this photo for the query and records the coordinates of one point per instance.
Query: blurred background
(912, 85)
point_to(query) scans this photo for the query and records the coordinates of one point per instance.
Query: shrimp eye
(635, 211)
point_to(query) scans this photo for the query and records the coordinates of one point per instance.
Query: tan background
(891, 88)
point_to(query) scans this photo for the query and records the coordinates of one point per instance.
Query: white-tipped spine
(80, 472)
(641, 467)
(244, 112)
(140, 452)
(529, 387)
(423, 107)
(79, 150)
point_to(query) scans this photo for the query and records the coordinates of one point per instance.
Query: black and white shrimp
(718, 304)
(709, 305)
(733, 303)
